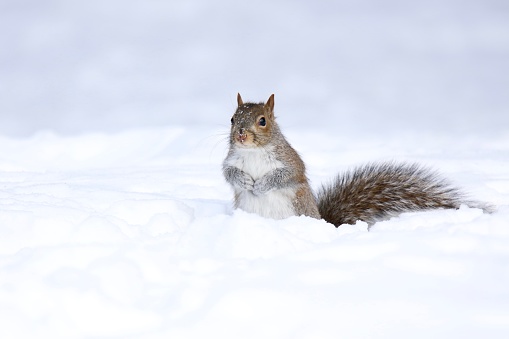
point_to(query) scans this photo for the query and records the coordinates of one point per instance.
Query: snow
(115, 221)
(141, 241)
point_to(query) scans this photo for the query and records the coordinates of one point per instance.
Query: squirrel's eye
(262, 121)
(232, 120)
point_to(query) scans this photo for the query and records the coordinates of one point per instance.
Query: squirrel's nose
(241, 136)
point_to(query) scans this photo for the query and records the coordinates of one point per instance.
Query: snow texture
(115, 221)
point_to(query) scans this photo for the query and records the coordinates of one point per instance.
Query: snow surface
(132, 235)
(115, 221)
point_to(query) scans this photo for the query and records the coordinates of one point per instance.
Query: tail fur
(375, 192)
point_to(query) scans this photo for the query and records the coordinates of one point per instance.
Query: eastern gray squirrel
(268, 178)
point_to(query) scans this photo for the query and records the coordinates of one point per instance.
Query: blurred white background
(109, 65)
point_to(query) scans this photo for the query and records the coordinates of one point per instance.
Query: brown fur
(244, 123)
(378, 191)
(305, 202)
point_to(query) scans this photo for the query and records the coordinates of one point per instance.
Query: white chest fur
(275, 204)
(255, 161)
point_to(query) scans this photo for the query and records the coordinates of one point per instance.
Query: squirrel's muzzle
(241, 137)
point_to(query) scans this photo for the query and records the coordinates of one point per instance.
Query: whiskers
(216, 139)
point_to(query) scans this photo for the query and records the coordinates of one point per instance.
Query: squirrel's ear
(270, 104)
(239, 100)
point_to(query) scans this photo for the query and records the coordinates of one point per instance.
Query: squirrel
(268, 178)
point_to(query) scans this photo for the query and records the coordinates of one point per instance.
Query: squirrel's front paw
(245, 181)
(260, 187)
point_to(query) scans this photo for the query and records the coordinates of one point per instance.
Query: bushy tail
(376, 192)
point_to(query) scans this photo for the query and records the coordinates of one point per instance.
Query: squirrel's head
(252, 124)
